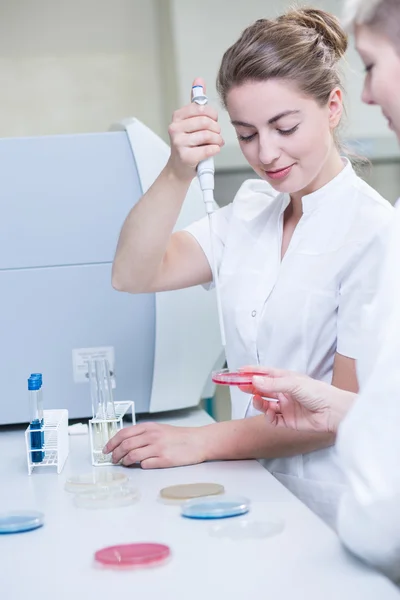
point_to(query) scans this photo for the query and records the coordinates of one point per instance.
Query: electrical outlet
(81, 356)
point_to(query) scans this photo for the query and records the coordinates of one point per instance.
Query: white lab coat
(298, 312)
(368, 444)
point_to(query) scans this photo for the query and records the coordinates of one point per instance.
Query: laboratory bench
(304, 561)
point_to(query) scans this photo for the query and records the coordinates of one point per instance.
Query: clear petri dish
(248, 530)
(191, 490)
(130, 556)
(116, 497)
(227, 377)
(20, 521)
(216, 508)
(78, 484)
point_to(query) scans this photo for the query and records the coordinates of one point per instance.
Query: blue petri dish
(212, 508)
(19, 521)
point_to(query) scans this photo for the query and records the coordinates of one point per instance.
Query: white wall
(78, 65)
(204, 30)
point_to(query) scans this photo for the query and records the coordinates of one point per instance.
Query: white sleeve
(357, 289)
(369, 439)
(200, 230)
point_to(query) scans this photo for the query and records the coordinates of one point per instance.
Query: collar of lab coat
(312, 201)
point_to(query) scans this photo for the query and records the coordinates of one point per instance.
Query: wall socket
(81, 356)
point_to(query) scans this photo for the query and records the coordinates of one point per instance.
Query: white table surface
(55, 562)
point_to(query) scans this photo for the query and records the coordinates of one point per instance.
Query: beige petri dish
(180, 493)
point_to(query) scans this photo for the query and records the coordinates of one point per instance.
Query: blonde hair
(380, 14)
(302, 46)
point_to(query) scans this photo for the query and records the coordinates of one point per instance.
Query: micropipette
(205, 173)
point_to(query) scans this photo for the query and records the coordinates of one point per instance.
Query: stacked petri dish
(102, 489)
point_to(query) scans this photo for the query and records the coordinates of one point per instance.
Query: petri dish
(125, 495)
(78, 484)
(248, 530)
(216, 508)
(128, 556)
(191, 490)
(20, 521)
(227, 377)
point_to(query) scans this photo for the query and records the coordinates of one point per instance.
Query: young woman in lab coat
(297, 249)
(368, 445)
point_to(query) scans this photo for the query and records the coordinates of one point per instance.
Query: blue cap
(37, 376)
(34, 383)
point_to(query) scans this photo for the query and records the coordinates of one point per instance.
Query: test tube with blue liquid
(36, 418)
(39, 376)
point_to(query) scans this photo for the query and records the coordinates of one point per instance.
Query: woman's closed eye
(288, 131)
(246, 138)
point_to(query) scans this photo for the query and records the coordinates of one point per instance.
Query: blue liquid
(37, 441)
(215, 509)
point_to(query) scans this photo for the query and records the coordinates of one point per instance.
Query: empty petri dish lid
(124, 495)
(248, 530)
(128, 556)
(191, 490)
(216, 508)
(20, 520)
(227, 377)
(78, 484)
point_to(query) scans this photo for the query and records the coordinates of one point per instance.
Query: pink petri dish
(133, 556)
(227, 377)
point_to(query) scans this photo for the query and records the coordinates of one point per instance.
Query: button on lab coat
(368, 442)
(297, 312)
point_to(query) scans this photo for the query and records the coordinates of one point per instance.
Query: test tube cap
(34, 383)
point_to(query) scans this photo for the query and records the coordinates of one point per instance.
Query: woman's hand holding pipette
(157, 446)
(304, 404)
(195, 135)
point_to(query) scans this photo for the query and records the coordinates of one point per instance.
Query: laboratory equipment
(103, 426)
(205, 173)
(215, 508)
(107, 417)
(39, 378)
(36, 437)
(191, 490)
(96, 480)
(238, 378)
(68, 196)
(55, 447)
(130, 556)
(20, 521)
(227, 377)
(113, 497)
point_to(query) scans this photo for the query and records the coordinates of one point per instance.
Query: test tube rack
(102, 430)
(56, 443)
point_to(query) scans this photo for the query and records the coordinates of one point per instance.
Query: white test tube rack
(102, 430)
(56, 442)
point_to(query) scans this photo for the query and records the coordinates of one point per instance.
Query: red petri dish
(227, 377)
(130, 556)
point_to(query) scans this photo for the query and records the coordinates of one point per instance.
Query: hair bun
(325, 24)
